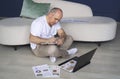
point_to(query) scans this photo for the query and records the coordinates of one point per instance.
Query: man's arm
(38, 40)
(62, 36)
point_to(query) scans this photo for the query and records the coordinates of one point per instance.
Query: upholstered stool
(90, 29)
(15, 31)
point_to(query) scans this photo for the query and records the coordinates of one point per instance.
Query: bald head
(54, 10)
(54, 15)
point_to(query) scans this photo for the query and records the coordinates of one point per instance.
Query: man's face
(55, 18)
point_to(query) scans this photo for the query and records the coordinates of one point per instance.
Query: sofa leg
(15, 48)
(99, 44)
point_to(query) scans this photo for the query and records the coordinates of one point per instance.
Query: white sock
(52, 59)
(72, 51)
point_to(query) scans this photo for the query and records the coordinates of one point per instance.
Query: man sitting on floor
(48, 39)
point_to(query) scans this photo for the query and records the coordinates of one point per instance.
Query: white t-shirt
(41, 29)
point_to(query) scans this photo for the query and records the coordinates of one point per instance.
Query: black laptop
(75, 63)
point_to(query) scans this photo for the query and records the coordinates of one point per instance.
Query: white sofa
(90, 29)
(15, 31)
(78, 21)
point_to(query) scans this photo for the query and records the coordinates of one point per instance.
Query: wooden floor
(105, 64)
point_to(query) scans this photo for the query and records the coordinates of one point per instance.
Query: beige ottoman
(15, 31)
(90, 29)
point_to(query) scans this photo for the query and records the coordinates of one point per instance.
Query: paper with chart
(46, 71)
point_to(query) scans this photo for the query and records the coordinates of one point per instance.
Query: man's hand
(59, 41)
(52, 40)
(61, 36)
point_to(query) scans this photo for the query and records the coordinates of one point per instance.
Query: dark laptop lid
(82, 60)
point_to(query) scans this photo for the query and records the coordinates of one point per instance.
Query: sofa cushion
(33, 10)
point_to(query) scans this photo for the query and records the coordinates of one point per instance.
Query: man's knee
(54, 51)
(68, 42)
(69, 38)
